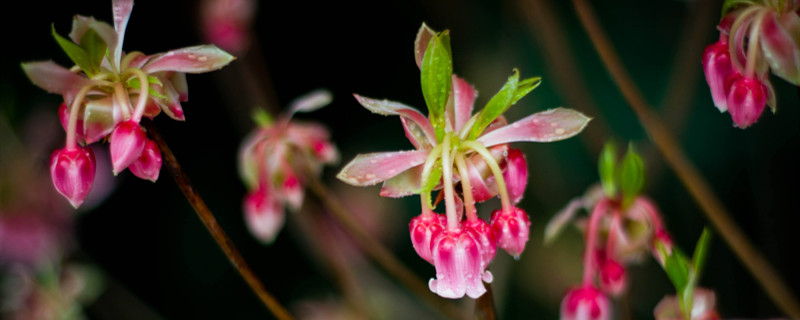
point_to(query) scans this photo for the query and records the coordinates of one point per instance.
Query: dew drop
(370, 176)
(191, 56)
(392, 171)
(560, 131)
(202, 58)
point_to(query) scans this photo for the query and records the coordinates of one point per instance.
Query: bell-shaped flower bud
(747, 98)
(613, 278)
(703, 307)
(148, 165)
(458, 261)
(717, 66)
(516, 174)
(325, 151)
(484, 234)
(585, 303)
(263, 214)
(511, 228)
(73, 173)
(424, 228)
(126, 145)
(292, 189)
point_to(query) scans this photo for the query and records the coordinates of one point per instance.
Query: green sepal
(677, 269)
(498, 104)
(631, 176)
(729, 5)
(524, 87)
(607, 166)
(77, 54)
(95, 47)
(262, 118)
(436, 75)
(431, 183)
(701, 251)
(133, 82)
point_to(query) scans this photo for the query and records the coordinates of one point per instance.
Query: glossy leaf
(94, 46)
(498, 104)
(404, 184)
(631, 176)
(311, 101)
(701, 252)
(463, 100)
(436, 79)
(606, 165)
(77, 54)
(418, 129)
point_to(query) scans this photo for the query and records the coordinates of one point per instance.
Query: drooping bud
(516, 174)
(585, 303)
(717, 66)
(72, 172)
(148, 165)
(747, 98)
(424, 228)
(613, 278)
(126, 145)
(511, 228)
(291, 189)
(458, 261)
(263, 214)
(325, 151)
(484, 234)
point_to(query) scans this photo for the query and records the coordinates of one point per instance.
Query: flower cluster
(98, 94)
(275, 159)
(455, 147)
(623, 227)
(755, 37)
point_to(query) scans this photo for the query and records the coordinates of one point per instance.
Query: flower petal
(54, 78)
(369, 169)
(424, 36)
(404, 184)
(779, 42)
(546, 126)
(100, 116)
(310, 102)
(197, 59)
(81, 24)
(122, 12)
(464, 95)
(418, 129)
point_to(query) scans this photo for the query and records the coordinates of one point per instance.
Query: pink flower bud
(716, 66)
(585, 303)
(516, 174)
(126, 144)
(511, 228)
(459, 265)
(73, 173)
(424, 228)
(703, 307)
(148, 165)
(325, 151)
(263, 214)
(484, 234)
(292, 190)
(63, 115)
(613, 278)
(747, 98)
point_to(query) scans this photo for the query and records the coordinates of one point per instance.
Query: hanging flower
(454, 146)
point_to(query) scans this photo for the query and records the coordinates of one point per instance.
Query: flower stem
(505, 200)
(144, 91)
(591, 236)
(123, 100)
(484, 306)
(766, 276)
(466, 186)
(72, 122)
(380, 254)
(213, 226)
(449, 192)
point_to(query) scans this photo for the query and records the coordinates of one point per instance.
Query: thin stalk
(449, 192)
(72, 121)
(505, 200)
(466, 186)
(484, 306)
(205, 215)
(380, 254)
(591, 236)
(758, 266)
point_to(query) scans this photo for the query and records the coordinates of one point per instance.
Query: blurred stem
(379, 253)
(212, 225)
(484, 306)
(685, 170)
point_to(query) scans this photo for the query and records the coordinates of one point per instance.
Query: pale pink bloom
(585, 303)
(459, 265)
(717, 66)
(703, 307)
(511, 228)
(263, 214)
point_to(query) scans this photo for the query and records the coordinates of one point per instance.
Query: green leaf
(701, 251)
(631, 176)
(262, 118)
(524, 87)
(431, 183)
(436, 76)
(607, 166)
(498, 104)
(677, 270)
(729, 5)
(95, 48)
(75, 53)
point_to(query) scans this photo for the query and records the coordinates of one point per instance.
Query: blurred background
(157, 261)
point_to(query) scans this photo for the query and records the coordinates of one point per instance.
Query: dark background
(161, 262)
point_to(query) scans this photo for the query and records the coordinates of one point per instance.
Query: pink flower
(585, 303)
(459, 265)
(263, 214)
(747, 98)
(703, 307)
(511, 228)
(72, 171)
(613, 278)
(227, 23)
(148, 165)
(113, 90)
(716, 66)
(275, 159)
(424, 228)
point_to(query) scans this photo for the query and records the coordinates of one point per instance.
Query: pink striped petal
(369, 169)
(404, 184)
(779, 42)
(54, 78)
(546, 126)
(417, 127)
(100, 117)
(197, 59)
(464, 95)
(122, 12)
(424, 36)
(81, 24)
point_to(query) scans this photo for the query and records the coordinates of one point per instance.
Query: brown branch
(212, 225)
(380, 254)
(484, 306)
(687, 173)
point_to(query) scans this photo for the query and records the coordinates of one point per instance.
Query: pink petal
(562, 219)
(73, 172)
(464, 95)
(516, 174)
(424, 36)
(171, 105)
(369, 169)
(716, 67)
(81, 24)
(263, 214)
(178, 80)
(99, 118)
(248, 163)
(310, 102)
(423, 229)
(779, 43)
(197, 59)
(54, 78)
(122, 12)
(126, 145)
(418, 129)
(404, 184)
(546, 126)
(148, 165)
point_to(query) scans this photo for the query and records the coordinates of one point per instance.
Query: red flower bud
(72, 172)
